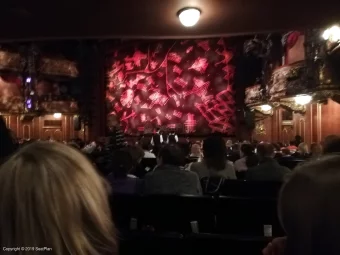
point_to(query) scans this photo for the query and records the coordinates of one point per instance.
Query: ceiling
(61, 19)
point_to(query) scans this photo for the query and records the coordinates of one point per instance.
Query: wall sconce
(303, 99)
(266, 107)
(189, 16)
(57, 115)
(332, 34)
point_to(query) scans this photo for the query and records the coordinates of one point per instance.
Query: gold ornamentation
(323, 95)
(58, 67)
(259, 109)
(260, 129)
(10, 61)
(253, 95)
(293, 106)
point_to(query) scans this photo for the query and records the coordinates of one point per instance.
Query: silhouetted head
(331, 144)
(171, 155)
(265, 150)
(309, 208)
(214, 150)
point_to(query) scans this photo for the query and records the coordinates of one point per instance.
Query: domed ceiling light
(189, 16)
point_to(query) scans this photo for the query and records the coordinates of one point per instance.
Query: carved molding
(323, 95)
(293, 106)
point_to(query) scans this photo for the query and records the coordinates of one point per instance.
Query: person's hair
(51, 196)
(331, 144)
(146, 144)
(251, 158)
(309, 208)
(172, 138)
(214, 150)
(276, 146)
(303, 148)
(247, 149)
(122, 163)
(7, 146)
(285, 151)
(316, 149)
(195, 148)
(292, 143)
(265, 150)
(171, 155)
(137, 154)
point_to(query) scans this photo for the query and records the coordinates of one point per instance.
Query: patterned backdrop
(182, 85)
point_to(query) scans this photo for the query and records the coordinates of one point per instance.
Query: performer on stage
(157, 141)
(157, 138)
(172, 138)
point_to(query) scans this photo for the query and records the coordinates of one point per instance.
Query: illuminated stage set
(183, 86)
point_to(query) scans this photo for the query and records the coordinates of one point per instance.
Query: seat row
(239, 216)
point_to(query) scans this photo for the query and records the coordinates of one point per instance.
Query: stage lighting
(303, 99)
(57, 115)
(332, 34)
(266, 107)
(189, 16)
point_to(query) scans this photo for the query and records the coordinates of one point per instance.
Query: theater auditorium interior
(170, 127)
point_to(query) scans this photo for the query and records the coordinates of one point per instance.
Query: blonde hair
(51, 196)
(303, 148)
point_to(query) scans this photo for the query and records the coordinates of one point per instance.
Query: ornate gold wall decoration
(58, 67)
(10, 61)
(291, 105)
(260, 129)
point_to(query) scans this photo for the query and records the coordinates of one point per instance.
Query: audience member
(146, 146)
(331, 144)
(51, 196)
(120, 178)
(234, 154)
(316, 151)
(287, 160)
(169, 178)
(248, 158)
(116, 135)
(309, 208)
(137, 154)
(268, 168)
(195, 151)
(214, 162)
(292, 147)
(7, 144)
(302, 151)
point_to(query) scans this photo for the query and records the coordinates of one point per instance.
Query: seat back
(178, 213)
(247, 216)
(242, 188)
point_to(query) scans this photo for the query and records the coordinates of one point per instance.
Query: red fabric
(292, 39)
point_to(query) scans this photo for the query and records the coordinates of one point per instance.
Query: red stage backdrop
(182, 85)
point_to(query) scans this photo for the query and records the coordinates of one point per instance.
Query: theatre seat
(150, 243)
(164, 213)
(124, 209)
(225, 244)
(247, 216)
(182, 214)
(242, 188)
